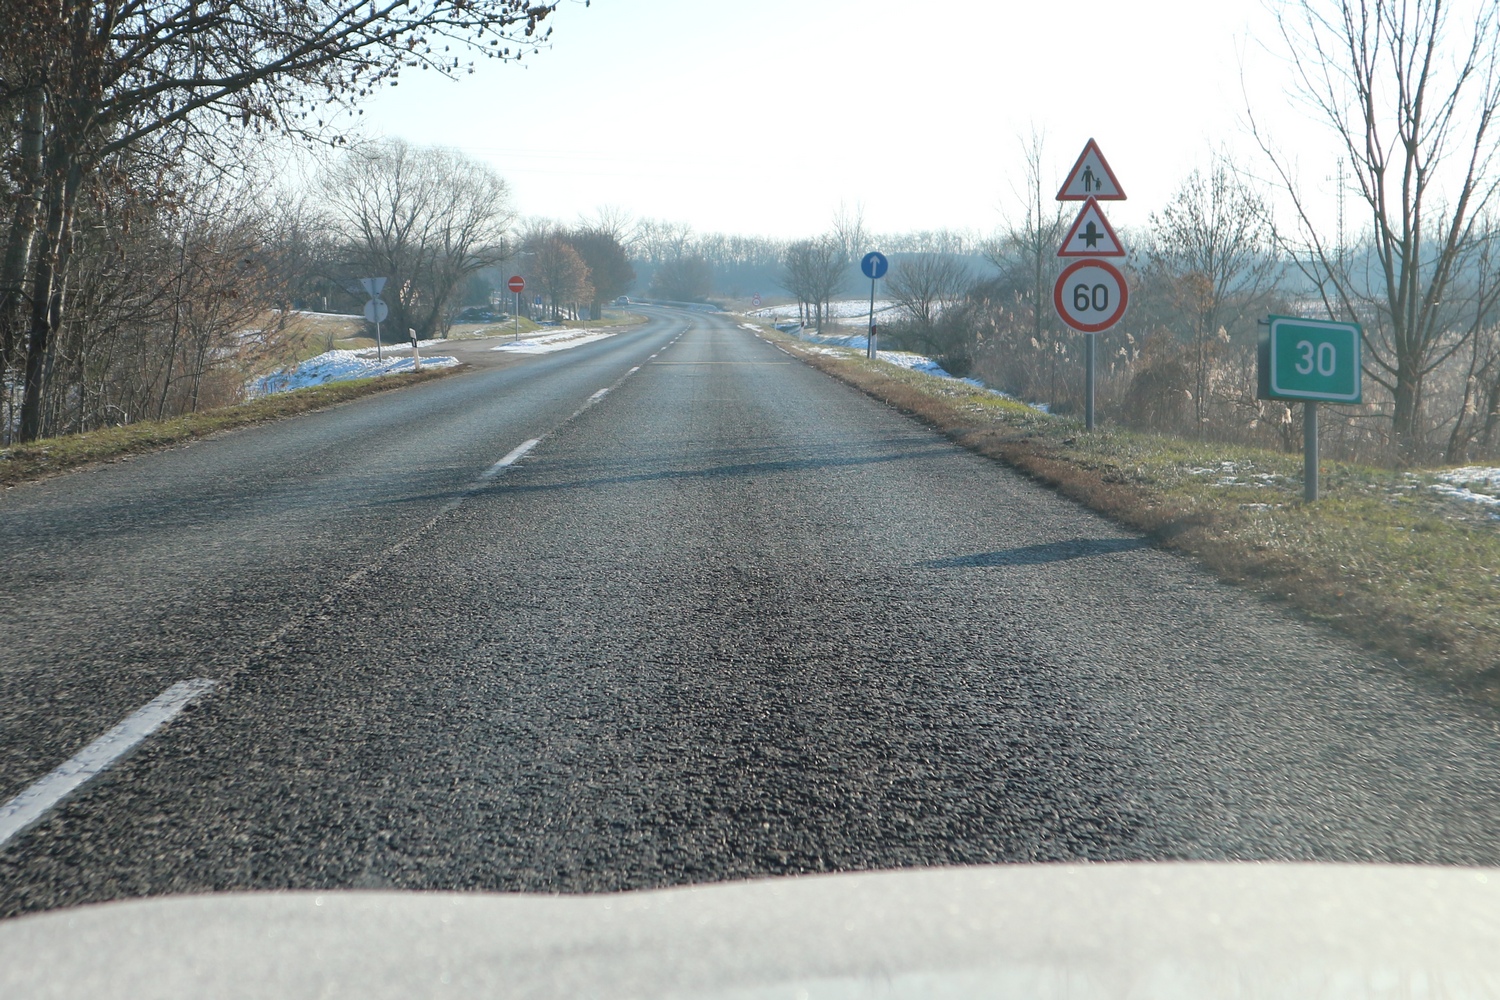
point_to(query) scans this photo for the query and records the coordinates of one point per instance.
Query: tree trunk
(1405, 421)
(47, 290)
(28, 210)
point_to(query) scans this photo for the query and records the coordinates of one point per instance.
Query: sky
(763, 118)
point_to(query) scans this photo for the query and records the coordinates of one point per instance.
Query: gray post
(870, 333)
(1310, 451)
(379, 355)
(1088, 399)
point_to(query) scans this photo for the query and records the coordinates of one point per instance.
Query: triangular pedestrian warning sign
(1091, 178)
(1091, 235)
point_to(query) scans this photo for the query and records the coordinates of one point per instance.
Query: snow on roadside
(549, 342)
(914, 362)
(917, 363)
(843, 309)
(1470, 484)
(404, 345)
(339, 366)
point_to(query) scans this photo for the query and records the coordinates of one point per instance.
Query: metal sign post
(1309, 451)
(1311, 361)
(874, 266)
(1090, 294)
(517, 285)
(375, 310)
(1091, 346)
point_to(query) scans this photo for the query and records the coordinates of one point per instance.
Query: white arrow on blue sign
(874, 265)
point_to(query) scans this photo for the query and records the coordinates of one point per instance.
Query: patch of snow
(400, 346)
(1487, 474)
(1229, 474)
(339, 366)
(1466, 495)
(549, 342)
(1469, 484)
(912, 362)
(843, 309)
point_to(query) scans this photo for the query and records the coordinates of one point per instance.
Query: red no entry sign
(516, 284)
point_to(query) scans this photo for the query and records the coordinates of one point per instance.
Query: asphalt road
(729, 618)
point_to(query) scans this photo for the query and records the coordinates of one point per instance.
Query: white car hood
(1041, 931)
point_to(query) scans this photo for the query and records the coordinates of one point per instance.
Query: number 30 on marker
(1090, 295)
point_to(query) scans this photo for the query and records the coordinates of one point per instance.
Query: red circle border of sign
(516, 284)
(1062, 280)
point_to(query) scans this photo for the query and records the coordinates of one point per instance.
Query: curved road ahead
(726, 618)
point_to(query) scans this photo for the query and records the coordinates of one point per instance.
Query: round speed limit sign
(1091, 295)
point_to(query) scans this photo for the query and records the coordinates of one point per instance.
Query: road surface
(725, 617)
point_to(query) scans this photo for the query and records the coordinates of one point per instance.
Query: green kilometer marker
(1310, 360)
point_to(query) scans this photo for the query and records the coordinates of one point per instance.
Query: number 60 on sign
(1090, 295)
(1311, 360)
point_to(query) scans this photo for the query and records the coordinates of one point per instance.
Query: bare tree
(1212, 245)
(614, 222)
(562, 275)
(813, 271)
(684, 279)
(424, 218)
(849, 231)
(1413, 114)
(925, 284)
(1026, 253)
(610, 273)
(664, 241)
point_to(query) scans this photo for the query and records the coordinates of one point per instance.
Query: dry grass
(1380, 557)
(49, 456)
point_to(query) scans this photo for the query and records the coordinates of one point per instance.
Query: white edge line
(34, 803)
(516, 454)
(634, 370)
(600, 394)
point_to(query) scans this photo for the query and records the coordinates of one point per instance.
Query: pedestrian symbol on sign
(1091, 178)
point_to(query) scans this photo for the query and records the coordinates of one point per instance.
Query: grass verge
(1381, 557)
(49, 456)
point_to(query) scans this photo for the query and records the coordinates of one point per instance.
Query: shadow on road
(723, 470)
(1032, 555)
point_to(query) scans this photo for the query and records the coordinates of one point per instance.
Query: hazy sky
(762, 117)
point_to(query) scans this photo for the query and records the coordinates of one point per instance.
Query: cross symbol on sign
(1091, 236)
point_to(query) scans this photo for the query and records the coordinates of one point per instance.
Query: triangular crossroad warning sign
(1091, 235)
(1091, 178)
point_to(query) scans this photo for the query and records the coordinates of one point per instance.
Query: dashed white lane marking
(514, 456)
(357, 577)
(34, 803)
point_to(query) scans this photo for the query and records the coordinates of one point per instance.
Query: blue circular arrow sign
(874, 265)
